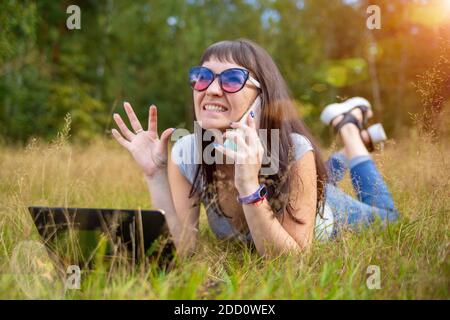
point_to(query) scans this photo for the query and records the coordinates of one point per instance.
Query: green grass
(412, 255)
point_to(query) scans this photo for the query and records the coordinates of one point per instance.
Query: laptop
(85, 236)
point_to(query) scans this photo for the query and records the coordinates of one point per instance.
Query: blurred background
(140, 51)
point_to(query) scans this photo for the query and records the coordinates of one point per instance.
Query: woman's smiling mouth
(214, 108)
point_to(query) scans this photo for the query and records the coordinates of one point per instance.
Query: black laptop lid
(76, 235)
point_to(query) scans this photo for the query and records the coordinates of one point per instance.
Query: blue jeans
(374, 200)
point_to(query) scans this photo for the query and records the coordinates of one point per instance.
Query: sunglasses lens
(200, 78)
(233, 80)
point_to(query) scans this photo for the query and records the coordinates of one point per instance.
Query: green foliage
(342, 73)
(140, 52)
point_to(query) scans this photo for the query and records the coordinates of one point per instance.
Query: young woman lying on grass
(281, 211)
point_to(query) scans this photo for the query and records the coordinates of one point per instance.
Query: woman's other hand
(149, 151)
(247, 158)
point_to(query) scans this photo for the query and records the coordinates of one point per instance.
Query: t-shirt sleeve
(301, 145)
(183, 155)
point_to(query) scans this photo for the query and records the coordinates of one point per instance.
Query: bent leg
(370, 186)
(349, 212)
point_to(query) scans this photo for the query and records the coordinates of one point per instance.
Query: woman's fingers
(135, 124)
(250, 134)
(165, 139)
(237, 138)
(120, 139)
(122, 126)
(153, 121)
(245, 127)
(245, 153)
(225, 151)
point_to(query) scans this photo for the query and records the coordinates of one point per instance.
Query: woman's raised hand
(147, 149)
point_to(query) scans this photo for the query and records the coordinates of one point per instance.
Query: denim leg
(348, 211)
(370, 186)
(336, 165)
(374, 197)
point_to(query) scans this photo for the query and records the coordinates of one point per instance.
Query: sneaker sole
(336, 109)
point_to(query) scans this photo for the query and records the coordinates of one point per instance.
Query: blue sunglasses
(230, 80)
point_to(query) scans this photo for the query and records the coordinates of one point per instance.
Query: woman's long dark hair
(278, 112)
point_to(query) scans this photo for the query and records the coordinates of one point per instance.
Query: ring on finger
(139, 131)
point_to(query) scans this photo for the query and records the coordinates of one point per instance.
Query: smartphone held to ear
(253, 111)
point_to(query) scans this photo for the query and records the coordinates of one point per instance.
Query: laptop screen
(82, 236)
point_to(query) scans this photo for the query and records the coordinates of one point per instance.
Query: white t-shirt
(184, 152)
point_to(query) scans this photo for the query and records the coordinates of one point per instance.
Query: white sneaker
(333, 110)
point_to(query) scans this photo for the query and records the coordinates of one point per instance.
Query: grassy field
(412, 255)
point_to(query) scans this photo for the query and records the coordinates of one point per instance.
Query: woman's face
(231, 105)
